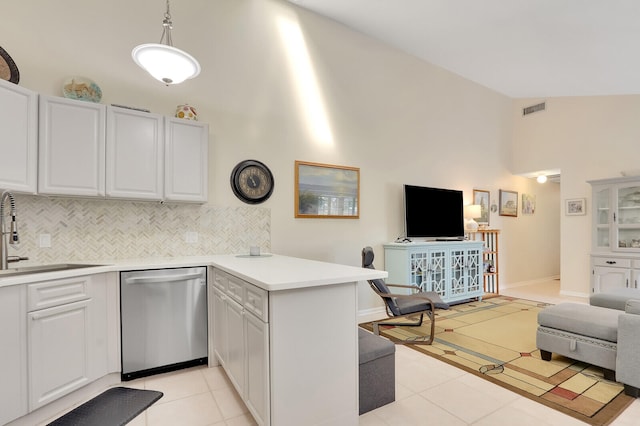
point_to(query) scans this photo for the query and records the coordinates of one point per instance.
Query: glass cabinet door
(602, 217)
(627, 217)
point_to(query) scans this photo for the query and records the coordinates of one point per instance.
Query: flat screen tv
(433, 213)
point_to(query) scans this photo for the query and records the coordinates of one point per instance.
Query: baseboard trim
(531, 282)
(574, 294)
(372, 314)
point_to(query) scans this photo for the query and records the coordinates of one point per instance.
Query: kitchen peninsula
(284, 329)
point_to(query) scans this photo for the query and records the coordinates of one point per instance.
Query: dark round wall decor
(8, 68)
(252, 181)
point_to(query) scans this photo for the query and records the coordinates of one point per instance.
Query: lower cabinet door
(58, 351)
(608, 278)
(13, 353)
(219, 325)
(257, 391)
(235, 345)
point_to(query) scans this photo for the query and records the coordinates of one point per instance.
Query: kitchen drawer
(256, 301)
(47, 294)
(220, 280)
(235, 289)
(615, 262)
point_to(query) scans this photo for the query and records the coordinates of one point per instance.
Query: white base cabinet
(241, 339)
(610, 273)
(13, 353)
(19, 141)
(453, 269)
(67, 336)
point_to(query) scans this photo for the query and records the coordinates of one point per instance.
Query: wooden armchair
(404, 305)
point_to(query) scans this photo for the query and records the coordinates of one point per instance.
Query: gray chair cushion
(586, 320)
(409, 306)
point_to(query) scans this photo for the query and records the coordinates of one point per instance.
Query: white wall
(587, 138)
(398, 119)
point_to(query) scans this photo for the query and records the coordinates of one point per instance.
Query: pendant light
(164, 62)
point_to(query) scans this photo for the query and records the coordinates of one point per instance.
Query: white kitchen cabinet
(217, 301)
(256, 333)
(71, 147)
(613, 272)
(135, 154)
(452, 269)
(186, 159)
(13, 353)
(68, 336)
(19, 141)
(241, 340)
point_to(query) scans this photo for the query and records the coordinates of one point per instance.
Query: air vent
(534, 108)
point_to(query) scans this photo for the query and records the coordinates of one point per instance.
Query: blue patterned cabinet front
(453, 269)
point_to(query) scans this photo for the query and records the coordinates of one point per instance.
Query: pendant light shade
(164, 62)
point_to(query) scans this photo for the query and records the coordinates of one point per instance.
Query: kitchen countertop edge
(269, 272)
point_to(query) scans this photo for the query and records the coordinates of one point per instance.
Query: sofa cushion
(632, 306)
(585, 320)
(614, 299)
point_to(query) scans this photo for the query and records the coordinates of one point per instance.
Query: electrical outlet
(44, 240)
(191, 237)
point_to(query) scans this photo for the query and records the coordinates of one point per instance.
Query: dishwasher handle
(149, 279)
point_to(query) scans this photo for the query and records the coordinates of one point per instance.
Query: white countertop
(269, 272)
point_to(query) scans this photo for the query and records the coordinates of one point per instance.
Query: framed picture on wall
(575, 207)
(528, 204)
(326, 191)
(508, 203)
(482, 198)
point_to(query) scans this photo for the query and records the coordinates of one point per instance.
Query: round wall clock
(252, 181)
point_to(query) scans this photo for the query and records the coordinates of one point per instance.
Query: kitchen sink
(24, 270)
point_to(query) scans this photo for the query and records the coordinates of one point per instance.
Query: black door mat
(113, 407)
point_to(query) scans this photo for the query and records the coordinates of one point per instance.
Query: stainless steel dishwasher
(163, 320)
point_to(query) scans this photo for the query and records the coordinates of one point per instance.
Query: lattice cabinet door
(437, 278)
(419, 264)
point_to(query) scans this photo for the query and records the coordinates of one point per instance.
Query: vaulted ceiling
(521, 48)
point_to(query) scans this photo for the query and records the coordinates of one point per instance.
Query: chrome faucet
(10, 236)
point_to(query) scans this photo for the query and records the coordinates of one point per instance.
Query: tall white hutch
(615, 257)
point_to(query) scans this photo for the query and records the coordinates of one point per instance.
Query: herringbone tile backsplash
(90, 230)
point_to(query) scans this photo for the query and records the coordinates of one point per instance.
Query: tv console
(453, 269)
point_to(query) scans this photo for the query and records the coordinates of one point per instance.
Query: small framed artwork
(508, 203)
(482, 198)
(576, 206)
(326, 191)
(528, 204)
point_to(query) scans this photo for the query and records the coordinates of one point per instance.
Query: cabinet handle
(611, 262)
(627, 282)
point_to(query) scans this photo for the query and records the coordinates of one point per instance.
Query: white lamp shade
(166, 63)
(473, 211)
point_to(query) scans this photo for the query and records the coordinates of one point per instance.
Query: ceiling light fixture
(541, 179)
(164, 62)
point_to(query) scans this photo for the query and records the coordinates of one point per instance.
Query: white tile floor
(428, 392)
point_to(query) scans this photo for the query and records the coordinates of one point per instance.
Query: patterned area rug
(496, 339)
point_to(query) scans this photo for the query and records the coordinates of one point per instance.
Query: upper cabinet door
(71, 148)
(135, 154)
(186, 159)
(19, 141)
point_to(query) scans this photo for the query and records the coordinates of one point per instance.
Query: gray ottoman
(614, 299)
(581, 332)
(377, 371)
